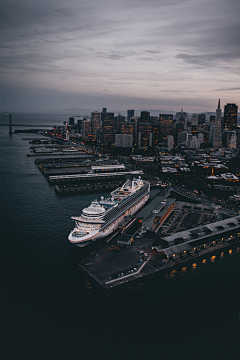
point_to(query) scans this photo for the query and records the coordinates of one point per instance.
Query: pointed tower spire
(219, 104)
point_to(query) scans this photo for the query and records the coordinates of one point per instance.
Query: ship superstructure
(102, 217)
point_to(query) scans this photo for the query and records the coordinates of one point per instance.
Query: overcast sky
(120, 54)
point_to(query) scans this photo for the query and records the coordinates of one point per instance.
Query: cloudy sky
(120, 54)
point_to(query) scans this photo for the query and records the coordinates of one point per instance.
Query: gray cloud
(132, 48)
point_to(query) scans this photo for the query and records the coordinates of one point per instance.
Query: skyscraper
(130, 113)
(145, 116)
(217, 138)
(166, 127)
(95, 118)
(145, 134)
(201, 119)
(230, 116)
(181, 115)
(108, 127)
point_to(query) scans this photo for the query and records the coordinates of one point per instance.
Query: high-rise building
(230, 116)
(166, 127)
(156, 134)
(145, 129)
(183, 138)
(71, 121)
(108, 127)
(217, 137)
(118, 120)
(86, 127)
(123, 140)
(232, 139)
(130, 113)
(182, 115)
(212, 120)
(128, 127)
(201, 119)
(170, 142)
(201, 137)
(95, 119)
(194, 119)
(145, 116)
(194, 143)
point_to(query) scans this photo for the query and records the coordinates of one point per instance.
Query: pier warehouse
(156, 212)
(194, 240)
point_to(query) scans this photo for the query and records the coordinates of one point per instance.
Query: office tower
(95, 119)
(201, 137)
(154, 120)
(201, 119)
(181, 115)
(108, 127)
(217, 138)
(232, 139)
(86, 127)
(183, 138)
(128, 127)
(230, 116)
(123, 140)
(145, 116)
(166, 127)
(170, 142)
(194, 120)
(156, 134)
(71, 121)
(79, 126)
(145, 129)
(118, 120)
(194, 143)
(212, 120)
(130, 113)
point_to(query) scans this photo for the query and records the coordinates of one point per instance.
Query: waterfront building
(230, 116)
(95, 119)
(217, 138)
(108, 127)
(123, 140)
(166, 127)
(130, 114)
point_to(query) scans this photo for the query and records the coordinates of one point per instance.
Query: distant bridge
(31, 125)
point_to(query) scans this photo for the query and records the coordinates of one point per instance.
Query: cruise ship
(102, 217)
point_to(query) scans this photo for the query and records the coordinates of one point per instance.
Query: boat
(103, 217)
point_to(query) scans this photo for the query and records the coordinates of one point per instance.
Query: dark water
(50, 310)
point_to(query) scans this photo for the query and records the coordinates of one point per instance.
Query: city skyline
(141, 55)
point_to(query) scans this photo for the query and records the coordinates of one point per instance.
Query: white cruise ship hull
(96, 235)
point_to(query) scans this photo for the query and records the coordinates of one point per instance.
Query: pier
(111, 269)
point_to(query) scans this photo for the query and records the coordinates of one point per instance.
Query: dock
(119, 267)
